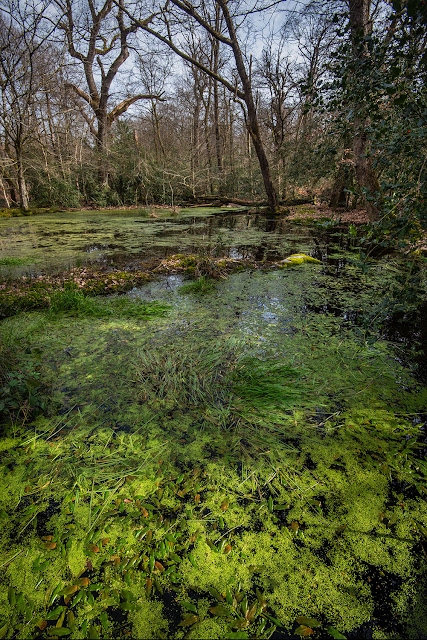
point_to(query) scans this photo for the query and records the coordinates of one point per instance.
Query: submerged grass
(217, 376)
(73, 301)
(200, 286)
(213, 475)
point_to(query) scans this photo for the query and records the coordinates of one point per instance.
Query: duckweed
(161, 494)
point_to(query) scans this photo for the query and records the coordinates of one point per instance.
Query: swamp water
(247, 463)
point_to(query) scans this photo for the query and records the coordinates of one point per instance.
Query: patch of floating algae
(317, 504)
(149, 621)
(60, 240)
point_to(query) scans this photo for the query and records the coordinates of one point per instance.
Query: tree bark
(22, 186)
(365, 175)
(252, 118)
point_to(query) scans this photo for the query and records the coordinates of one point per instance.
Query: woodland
(213, 319)
(126, 104)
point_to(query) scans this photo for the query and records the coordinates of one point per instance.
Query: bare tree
(240, 85)
(25, 75)
(99, 41)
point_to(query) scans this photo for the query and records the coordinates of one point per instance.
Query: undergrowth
(74, 301)
(23, 389)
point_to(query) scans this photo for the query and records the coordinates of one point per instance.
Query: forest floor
(322, 211)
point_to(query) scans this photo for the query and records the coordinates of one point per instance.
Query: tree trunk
(5, 195)
(365, 175)
(102, 152)
(252, 119)
(23, 193)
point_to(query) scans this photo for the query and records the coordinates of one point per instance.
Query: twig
(12, 558)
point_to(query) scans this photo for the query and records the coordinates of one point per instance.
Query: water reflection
(50, 242)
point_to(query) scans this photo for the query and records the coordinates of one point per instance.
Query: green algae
(56, 240)
(313, 498)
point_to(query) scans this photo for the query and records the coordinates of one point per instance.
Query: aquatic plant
(253, 466)
(200, 286)
(76, 301)
(216, 376)
(23, 391)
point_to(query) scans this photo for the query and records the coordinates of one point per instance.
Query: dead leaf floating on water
(294, 526)
(303, 631)
(83, 582)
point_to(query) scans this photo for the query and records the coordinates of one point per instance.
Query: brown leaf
(148, 586)
(50, 545)
(250, 613)
(303, 631)
(159, 566)
(83, 582)
(224, 504)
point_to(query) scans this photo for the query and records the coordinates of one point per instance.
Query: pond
(244, 459)
(53, 241)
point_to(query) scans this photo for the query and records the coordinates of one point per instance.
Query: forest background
(122, 103)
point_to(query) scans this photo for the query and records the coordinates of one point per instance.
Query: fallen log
(223, 201)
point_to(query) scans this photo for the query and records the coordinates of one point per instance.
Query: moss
(149, 621)
(214, 569)
(76, 556)
(208, 629)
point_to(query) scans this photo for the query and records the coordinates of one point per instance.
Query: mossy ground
(160, 497)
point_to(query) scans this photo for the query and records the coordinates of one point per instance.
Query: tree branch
(123, 106)
(83, 95)
(189, 10)
(143, 24)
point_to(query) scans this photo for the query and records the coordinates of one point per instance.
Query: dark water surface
(56, 241)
